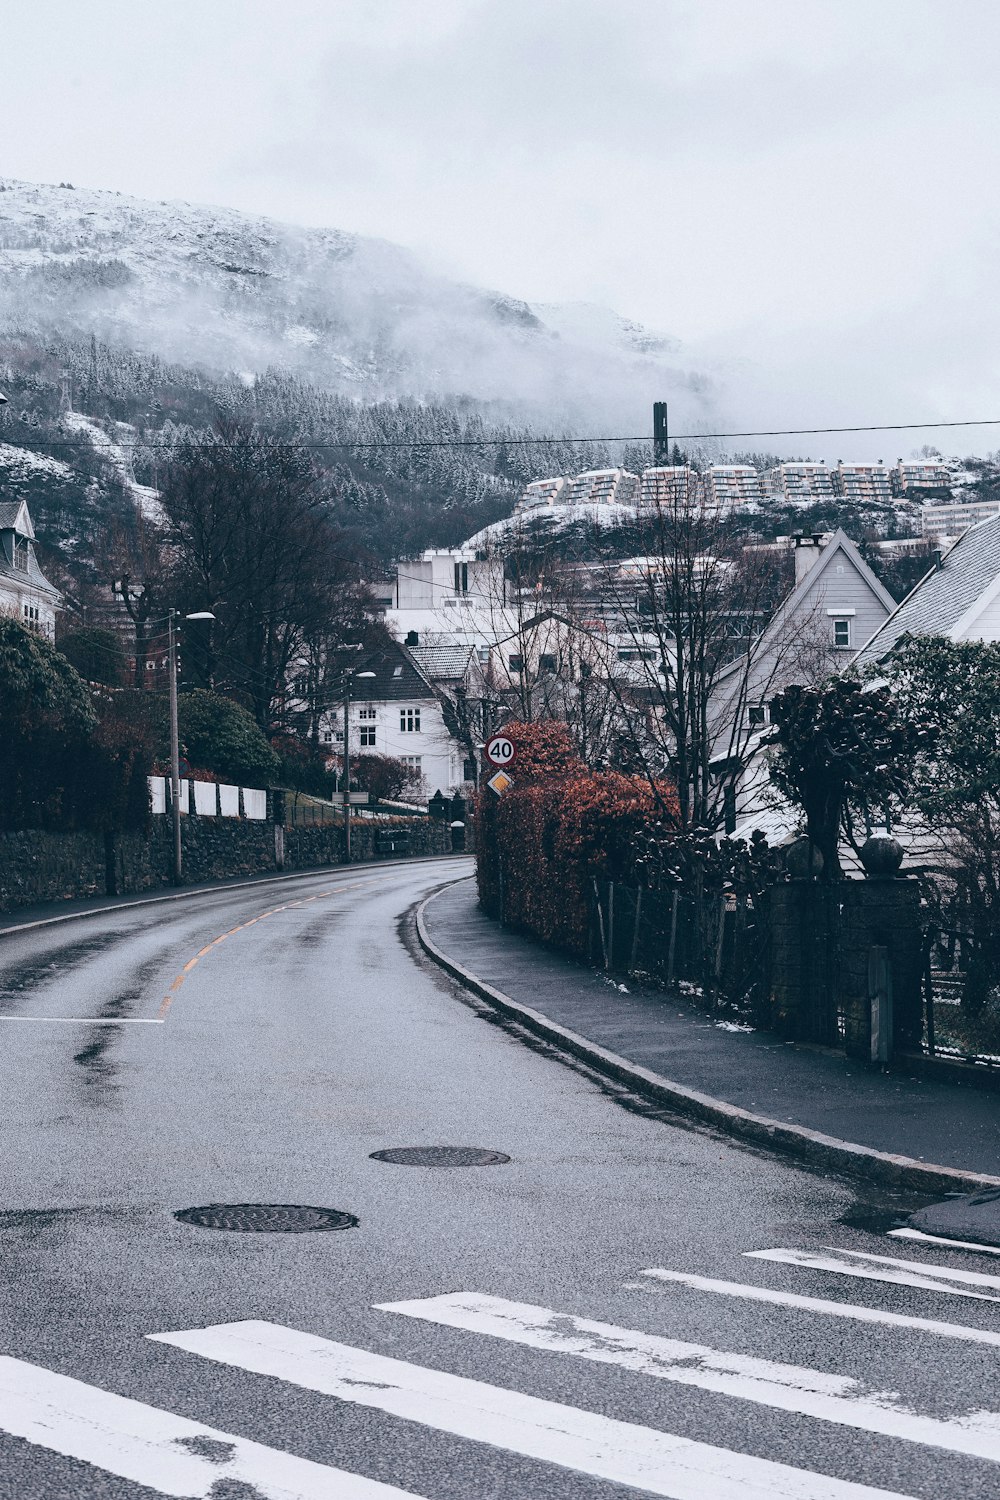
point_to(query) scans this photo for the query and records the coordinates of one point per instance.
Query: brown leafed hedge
(557, 829)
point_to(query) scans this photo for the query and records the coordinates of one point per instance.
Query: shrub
(383, 776)
(557, 830)
(48, 722)
(220, 736)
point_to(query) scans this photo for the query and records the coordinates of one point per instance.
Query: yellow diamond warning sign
(500, 782)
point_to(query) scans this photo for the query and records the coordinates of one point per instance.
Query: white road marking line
(792, 1388)
(154, 1448)
(809, 1260)
(967, 1278)
(90, 1020)
(937, 1239)
(829, 1309)
(622, 1452)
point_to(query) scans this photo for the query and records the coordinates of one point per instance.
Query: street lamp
(347, 760)
(175, 753)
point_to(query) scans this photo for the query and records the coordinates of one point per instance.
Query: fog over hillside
(360, 317)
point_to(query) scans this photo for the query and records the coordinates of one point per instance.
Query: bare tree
(253, 539)
(697, 615)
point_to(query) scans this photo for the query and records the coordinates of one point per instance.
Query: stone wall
(37, 867)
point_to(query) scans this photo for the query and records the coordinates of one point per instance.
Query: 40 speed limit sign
(499, 750)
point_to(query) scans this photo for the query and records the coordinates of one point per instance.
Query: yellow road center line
(192, 963)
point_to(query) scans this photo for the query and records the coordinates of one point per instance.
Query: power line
(532, 442)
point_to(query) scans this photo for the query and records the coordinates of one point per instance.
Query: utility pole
(347, 760)
(347, 770)
(661, 436)
(175, 754)
(175, 750)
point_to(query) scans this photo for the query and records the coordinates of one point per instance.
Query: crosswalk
(173, 1455)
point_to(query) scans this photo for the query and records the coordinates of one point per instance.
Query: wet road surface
(592, 1318)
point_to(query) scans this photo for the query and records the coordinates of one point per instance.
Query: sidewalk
(942, 1124)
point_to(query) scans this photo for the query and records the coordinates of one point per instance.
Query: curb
(11, 929)
(844, 1157)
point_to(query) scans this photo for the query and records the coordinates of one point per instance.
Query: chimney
(807, 551)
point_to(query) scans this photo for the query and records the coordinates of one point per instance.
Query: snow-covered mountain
(234, 292)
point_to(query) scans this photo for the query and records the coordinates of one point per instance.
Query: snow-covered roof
(945, 594)
(442, 663)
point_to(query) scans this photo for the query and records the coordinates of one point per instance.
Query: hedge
(559, 828)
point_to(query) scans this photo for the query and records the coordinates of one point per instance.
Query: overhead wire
(530, 442)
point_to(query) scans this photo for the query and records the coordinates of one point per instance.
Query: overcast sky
(803, 190)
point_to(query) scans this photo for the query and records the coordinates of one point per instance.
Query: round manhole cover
(440, 1156)
(266, 1218)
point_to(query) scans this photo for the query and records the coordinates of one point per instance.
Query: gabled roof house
(25, 592)
(959, 597)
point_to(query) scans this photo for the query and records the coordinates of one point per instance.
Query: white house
(25, 592)
(399, 713)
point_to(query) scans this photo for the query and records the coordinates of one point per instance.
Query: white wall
(13, 600)
(441, 757)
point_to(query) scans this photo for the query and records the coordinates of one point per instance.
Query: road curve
(481, 1332)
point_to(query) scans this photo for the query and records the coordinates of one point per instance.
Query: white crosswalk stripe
(857, 1314)
(168, 1454)
(938, 1239)
(883, 1268)
(173, 1455)
(658, 1462)
(938, 1273)
(806, 1392)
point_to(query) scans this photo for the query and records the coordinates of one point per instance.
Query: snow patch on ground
(22, 462)
(120, 459)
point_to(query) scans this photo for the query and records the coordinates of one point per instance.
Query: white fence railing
(209, 799)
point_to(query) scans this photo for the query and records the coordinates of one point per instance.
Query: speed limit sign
(499, 750)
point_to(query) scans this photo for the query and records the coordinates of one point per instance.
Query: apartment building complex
(669, 486)
(952, 520)
(602, 487)
(862, 482)
(728, 486)
(543, 492)
(800, 481)
(920, 479)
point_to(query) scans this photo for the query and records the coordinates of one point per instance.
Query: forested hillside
(396, 475)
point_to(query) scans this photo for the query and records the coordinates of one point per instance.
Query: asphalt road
(256, 1046)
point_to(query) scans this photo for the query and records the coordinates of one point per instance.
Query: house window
(327, 736)
(757, 714)
(21, 556)
(516, 663)
(367, 713)
(547, 662)
(412, 764)
(409, 720)
(368, 736)
(461, 578)
(31, 617)
(841, 633)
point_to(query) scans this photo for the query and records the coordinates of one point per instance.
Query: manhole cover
(266, 1218)
(440, 1156)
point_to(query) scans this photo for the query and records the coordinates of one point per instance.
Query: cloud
(804, 184)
